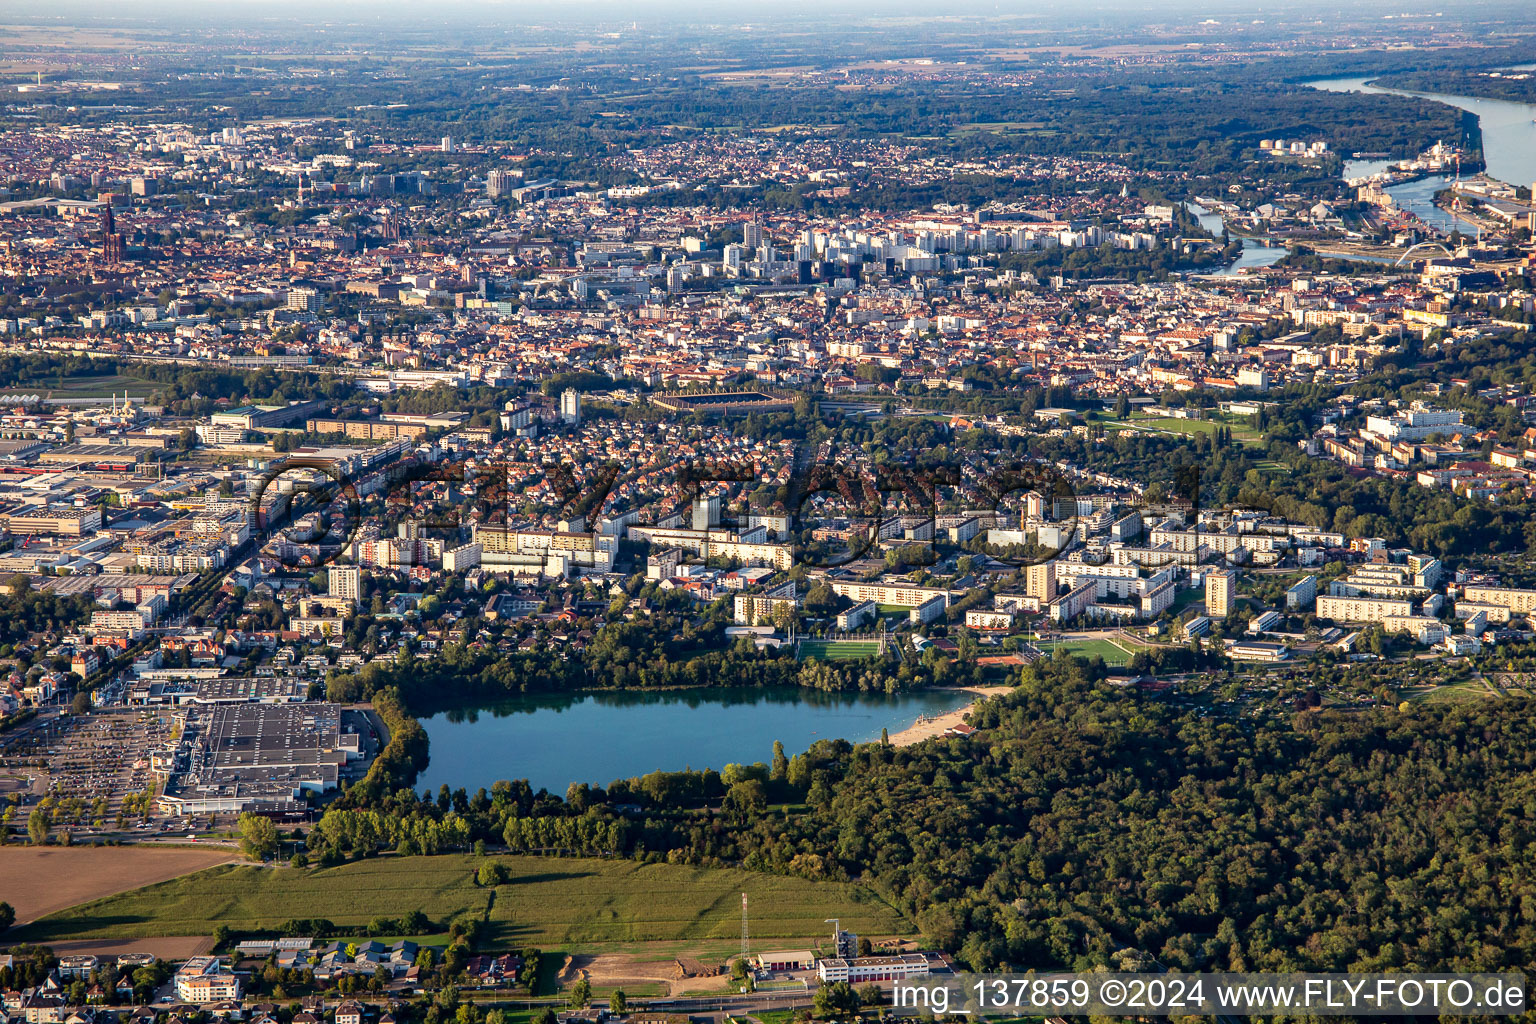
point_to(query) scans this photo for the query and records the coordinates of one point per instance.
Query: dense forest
(1463, 82)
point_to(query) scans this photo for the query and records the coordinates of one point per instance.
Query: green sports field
(554, 903)
(1241, 432)
(838, 650)
(1113, 655)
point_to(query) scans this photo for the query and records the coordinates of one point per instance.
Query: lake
(553, 740)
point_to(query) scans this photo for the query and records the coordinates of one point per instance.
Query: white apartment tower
(345, 582)
(1220, 593)
(1040, 582)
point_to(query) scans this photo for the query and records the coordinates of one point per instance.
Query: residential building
(1220, 592)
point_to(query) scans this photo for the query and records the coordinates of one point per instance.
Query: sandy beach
(920, 731)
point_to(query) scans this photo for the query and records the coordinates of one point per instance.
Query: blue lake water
(555, 740)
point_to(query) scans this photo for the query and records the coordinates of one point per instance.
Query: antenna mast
(743, 928)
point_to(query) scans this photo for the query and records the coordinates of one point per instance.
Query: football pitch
(1113, 654)
(838, 650)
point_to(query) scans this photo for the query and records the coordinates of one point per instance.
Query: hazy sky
(714, 12)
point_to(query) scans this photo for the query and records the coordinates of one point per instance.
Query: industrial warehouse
(259, 757)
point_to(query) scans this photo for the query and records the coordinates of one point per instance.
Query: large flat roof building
(69, 522)
(1361, 609)
(238, 757)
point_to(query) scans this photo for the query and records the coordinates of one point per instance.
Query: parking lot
(96, 768)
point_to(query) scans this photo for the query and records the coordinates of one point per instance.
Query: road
(735, 1004)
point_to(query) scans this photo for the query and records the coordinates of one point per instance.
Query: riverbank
(938, 725)
(1501, 130)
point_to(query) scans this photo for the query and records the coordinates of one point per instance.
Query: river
(1254, 254)
(1509, 134)
(1417, 196)
(1509, 149)
(555, 740)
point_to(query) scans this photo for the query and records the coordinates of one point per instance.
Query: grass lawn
(838, 650)
(553, 903)
(86, 387)
(775, 1016)
(1186, 597)
(1451, 693)
(1241, 433)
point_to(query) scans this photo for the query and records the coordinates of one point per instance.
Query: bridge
(1422, 245)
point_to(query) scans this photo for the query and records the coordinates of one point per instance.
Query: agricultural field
(41, 880)
(838, 650)
(595, 901)
(554, 903)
